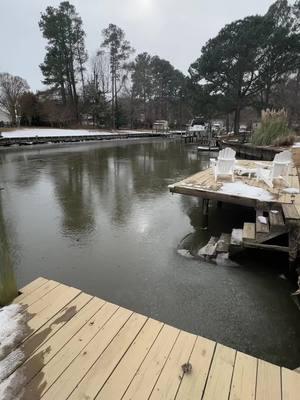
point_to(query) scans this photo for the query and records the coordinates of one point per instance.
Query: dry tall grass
(274, 129)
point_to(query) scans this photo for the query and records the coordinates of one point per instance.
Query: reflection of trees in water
(24, 171)
(123, 173)
(73, 193)
(8, 285)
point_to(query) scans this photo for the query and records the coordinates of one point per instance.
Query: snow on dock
(246, 190)
(82, 347)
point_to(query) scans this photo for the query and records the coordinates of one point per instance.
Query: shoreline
(54, 138)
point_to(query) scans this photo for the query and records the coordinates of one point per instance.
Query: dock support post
(294, 247)
(205, 204)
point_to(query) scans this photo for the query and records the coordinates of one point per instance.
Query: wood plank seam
(208, 372)
(32, 286)
(138, 366)
(183, 373)
(211, 362)
(56, 312)
(66, 342)
(60, 311)
(267, 380)
(232, 374)
(164, 364)
(118, 362)
(77, 356)
(23, 343)
(21, 297)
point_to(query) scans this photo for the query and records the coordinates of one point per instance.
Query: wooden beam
(271, 247)
(290, 212)
(249, 231)
(276, 218)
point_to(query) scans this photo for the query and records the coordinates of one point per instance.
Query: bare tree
(11, 89)
(100, 72)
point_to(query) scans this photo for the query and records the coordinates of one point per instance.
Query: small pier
(82, 347)
(277, 209)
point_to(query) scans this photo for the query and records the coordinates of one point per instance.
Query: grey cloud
(174, 30)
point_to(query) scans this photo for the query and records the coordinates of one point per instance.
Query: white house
(4, 117)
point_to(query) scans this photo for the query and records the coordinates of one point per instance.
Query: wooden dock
(203, 184)
(82, 347)
(279, 208)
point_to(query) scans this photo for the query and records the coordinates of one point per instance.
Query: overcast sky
(173, 29)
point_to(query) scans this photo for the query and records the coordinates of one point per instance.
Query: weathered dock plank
(249, 231)
(290, 212)
(276, 218)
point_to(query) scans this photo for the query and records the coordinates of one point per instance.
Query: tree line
(252, 64)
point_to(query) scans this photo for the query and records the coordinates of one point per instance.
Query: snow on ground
(21, 133)
(245, 190)
(13, 329)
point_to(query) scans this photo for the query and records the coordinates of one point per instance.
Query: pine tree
(65, 52)
(119, 51)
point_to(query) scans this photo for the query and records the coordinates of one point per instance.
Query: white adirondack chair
(278, 170)
(224, 165)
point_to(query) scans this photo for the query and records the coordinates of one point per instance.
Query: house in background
(4, 118)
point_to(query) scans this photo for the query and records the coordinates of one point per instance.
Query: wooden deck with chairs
(82, 347)
(203, 184)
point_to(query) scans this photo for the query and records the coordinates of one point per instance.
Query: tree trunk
(63, 93)
(227, 123)
(237, 117)
(112, 101)
(116, 104)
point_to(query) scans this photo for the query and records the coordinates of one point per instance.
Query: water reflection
(8, 286)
